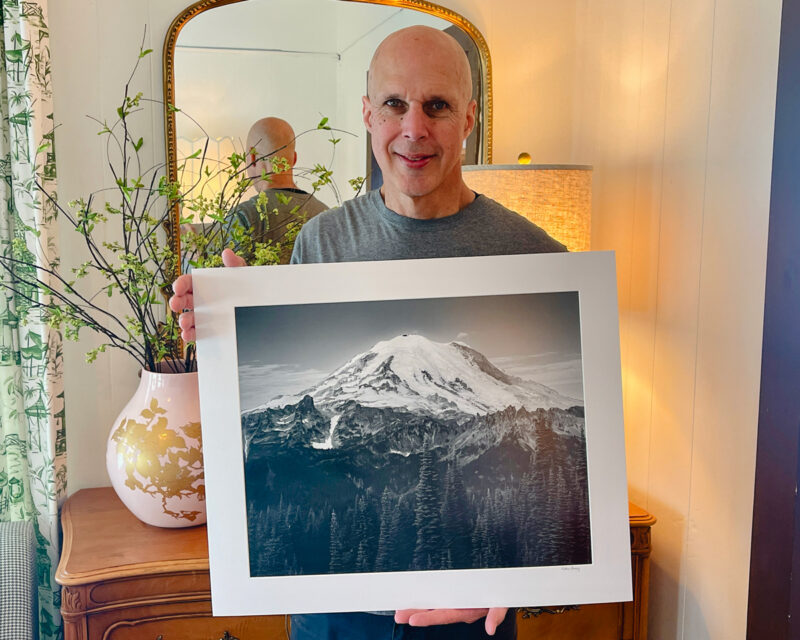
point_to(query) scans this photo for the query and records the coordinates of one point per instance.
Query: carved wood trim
(640, 541)
(109, 631)
(72, 600)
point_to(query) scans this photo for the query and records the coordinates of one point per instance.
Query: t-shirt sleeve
(297, 251)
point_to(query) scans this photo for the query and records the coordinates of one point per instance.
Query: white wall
(672, 101)
(674, 105)
(250, 76)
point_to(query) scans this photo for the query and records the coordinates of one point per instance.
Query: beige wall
(672, 101)
(674, 107)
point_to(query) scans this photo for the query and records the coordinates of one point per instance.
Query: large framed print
(413, 434)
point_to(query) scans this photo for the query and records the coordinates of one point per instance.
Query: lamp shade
(557, 198)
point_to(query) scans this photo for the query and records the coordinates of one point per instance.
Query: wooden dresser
(125, 580)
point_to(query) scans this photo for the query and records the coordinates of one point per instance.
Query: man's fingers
(183, 299)
(230, 259)
(189, 335)
(494, 618)
(186, 323)
(182, 294)
(186, 320)
(401, 616)
(182, 284)
(426, 618)
(181, 303)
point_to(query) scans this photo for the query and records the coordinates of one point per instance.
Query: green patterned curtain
(32, 439)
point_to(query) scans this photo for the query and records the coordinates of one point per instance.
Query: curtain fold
(32, 436)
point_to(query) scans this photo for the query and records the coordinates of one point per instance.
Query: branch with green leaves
(124, 234)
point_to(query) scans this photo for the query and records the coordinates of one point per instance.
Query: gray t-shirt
(278, 214)
(365, 229)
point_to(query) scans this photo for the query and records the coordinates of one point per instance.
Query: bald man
(419, 111)
(271, 158)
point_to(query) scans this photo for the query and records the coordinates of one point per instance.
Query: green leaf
(145, 52)
(138, 144)
(323, 124)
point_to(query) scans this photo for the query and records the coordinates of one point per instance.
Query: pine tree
(526, 555)
(387, 535)
(456, 520)
(428, 550)
(335, 564)
(478, 535)
(506, 527)
(490, 548)
(362, 558)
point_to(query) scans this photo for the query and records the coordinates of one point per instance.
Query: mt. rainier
(442, 380)
(428, 446)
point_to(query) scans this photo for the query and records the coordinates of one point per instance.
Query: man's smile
(415, 160)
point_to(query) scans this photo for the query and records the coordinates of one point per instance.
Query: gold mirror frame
(197, 8)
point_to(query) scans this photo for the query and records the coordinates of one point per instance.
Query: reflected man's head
(419, 110)
(270, 152)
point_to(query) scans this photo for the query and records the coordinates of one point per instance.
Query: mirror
(228, 63)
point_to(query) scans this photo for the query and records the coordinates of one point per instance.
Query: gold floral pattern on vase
(161, 461)
(154, 455)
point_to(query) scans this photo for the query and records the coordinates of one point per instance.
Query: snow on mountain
(419, 375)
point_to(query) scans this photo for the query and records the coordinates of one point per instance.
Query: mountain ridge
(411, 372)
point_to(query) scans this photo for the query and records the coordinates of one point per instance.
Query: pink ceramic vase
(154, 455)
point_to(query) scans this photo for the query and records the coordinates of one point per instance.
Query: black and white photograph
(425, 434)
(413, 434)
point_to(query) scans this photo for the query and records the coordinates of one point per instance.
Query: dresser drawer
(589, 622)
(196, 628)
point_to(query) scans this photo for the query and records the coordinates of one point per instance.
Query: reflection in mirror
(302, 61)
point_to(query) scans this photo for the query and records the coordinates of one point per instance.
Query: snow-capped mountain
(408, 433)
(418, 375)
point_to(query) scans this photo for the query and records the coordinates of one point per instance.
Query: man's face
(419, 115)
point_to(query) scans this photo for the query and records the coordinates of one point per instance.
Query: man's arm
(182, 300)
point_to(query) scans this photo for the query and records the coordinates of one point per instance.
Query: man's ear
(294, 160)
(366, 112)
(470, 124)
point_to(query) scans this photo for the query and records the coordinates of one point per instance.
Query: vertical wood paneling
(620, 90)
(638, 317)
(738, 176)
(685, 209)
(686, 122)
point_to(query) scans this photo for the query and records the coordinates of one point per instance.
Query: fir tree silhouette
(428, 550)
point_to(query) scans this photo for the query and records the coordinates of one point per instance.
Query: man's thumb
(230, 259)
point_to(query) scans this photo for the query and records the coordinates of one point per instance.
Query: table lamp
(555, 197)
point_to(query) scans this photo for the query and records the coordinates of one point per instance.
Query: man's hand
(427, 617)
(182, 300)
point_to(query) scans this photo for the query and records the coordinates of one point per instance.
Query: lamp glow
(557, 198)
